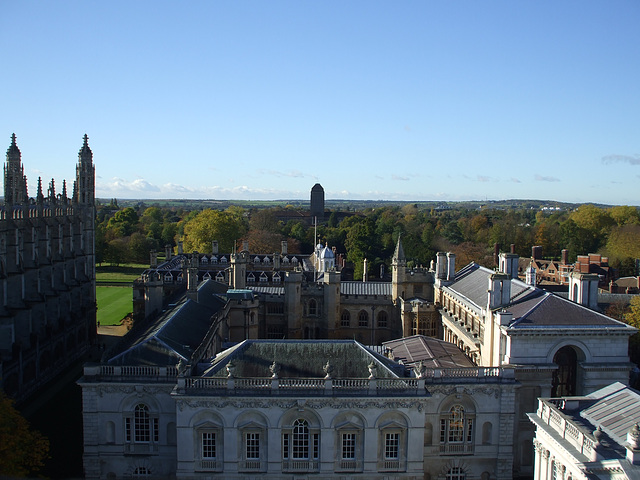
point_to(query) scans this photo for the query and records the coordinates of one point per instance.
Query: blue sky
(408, 100)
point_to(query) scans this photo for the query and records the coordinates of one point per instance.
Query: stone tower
(317, 201)
(399, 271)
(85, 176)
(15, 182)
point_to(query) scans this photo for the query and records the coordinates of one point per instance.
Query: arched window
(345, 319)
(300, 447)
(363, 319)
(382, 319)
(564, 378)
(456, 473)
(141, 472)
(456, 431)
(300, 440)
(141, 427)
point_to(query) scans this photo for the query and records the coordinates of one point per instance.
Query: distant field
(114, 303)
(125, 273)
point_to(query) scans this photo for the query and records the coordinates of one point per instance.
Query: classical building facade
(596, 436)
(518, 343)
(47, 275)
(298, 409)
(555, 345)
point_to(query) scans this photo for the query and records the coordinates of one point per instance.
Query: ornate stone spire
(398, 256)
(39, 195)
(85, 175)
(15, 182)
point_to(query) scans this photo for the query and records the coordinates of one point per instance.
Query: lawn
(125, 273)
(114, 303)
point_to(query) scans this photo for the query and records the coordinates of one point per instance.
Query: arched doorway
(564, 378)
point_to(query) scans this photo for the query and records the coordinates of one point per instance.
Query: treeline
(128, 234)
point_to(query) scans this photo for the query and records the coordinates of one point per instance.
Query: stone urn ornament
(328, 370)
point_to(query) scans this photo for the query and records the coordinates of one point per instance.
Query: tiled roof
(616, 410)
(531, 307)
(433, 352)
(365, 288)
(176, 334)
(303, 359)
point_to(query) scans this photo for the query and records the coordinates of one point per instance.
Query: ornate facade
(520, 343)
(47, 275)
(298, 409)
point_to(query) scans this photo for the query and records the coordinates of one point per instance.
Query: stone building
(596, 436)
(47, 275)
(300, 296)
(299, 409)
(518, 343)
(556, 346)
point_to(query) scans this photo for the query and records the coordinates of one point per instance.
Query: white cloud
(630, 159)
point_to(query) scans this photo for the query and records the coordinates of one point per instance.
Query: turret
(398, 272)
(85, 175)
(583, 289)
(15, 182)
(499, 290)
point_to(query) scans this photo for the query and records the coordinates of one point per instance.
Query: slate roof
(616, 410)
(176, 333)
(302, 359)
(365, 288)
(433, 352)
(531, 307)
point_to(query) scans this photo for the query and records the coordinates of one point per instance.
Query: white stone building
(556, 346)
(596, 436)
(299, 409)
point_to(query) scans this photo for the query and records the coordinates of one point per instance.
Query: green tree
(632, 317)
(208, 225)
(22, 450)
(124, 222)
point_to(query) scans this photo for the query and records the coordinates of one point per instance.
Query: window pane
(300, 440)
(253, 446)
(208, 445)
(348, 446)
(391, 444)
(141, 424)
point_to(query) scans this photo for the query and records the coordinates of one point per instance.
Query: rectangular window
(285, 446)
(316, 446)
(456, 430)
(253, 446)
(469, 430)
(391, 446)
(208, 445)
(142, 429)
(348, 446)
(443, 431)
(156, 437)
(127, 429)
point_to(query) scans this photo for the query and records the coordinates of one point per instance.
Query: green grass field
(125, 273)
(114, 303)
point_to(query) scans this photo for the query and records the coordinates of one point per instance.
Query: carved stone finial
(597, 434)
(328, 369)
(372, 370)
(420, 368)
(633, 437)
(181, 367)
(274, 368)
(231, 368)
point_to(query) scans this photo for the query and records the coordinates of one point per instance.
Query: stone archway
(564, 381)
